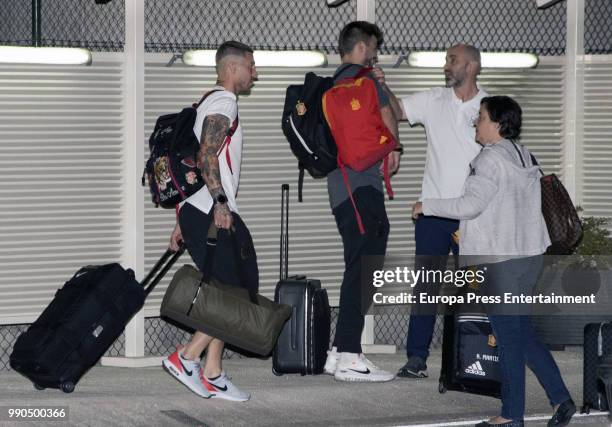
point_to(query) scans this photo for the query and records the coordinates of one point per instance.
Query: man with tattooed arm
(220, 134)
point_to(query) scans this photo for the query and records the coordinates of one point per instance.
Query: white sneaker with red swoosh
(187, 372)
(222, 388)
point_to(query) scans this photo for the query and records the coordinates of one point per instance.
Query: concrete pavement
(150, 397)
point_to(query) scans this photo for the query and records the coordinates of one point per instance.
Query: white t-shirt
(451, 144)
(221, 102)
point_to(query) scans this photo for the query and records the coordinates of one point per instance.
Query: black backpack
(171, 169)
(306, 129)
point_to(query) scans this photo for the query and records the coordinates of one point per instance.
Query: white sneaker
(222, 388)
(187, 372)
(331, 361)
(355, 367)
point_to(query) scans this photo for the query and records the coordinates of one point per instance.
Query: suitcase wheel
(442, 388)
(67, 387)
(38, 387)
(275, 372)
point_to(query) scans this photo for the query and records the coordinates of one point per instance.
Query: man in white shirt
(219, 160)
(448, 115)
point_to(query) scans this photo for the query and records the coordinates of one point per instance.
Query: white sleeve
(416, 105)
(223, 105)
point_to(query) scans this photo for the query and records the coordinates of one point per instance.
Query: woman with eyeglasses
(502, 226)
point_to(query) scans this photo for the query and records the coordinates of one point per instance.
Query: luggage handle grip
(293, 321)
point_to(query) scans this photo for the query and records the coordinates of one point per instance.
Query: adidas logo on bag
(475, 369)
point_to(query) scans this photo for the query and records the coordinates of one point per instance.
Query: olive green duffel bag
(229, 313)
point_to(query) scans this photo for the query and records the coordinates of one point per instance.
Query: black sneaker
(415, 367)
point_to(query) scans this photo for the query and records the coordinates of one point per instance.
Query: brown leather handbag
(562, 221)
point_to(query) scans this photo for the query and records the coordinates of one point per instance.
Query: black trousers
(194, 226)
(362, 255)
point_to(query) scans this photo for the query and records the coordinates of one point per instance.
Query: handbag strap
(535, 163)
(519, 153)
(533, 159)
(211, 246)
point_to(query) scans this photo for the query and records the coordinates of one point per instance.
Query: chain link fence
(391, 326)
(99, 27)
(65, 23)
(598, 27)
(491, 25)
(161, 337)
(177, 25)
(8, 336)
(16, 22)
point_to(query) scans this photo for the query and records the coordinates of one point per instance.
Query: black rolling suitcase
(470, 362)
(302, 345)
(597, 345)
(85, 317)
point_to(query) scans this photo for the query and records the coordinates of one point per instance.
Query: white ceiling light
(545, 3)
(335, 2)
(45, 55)
(263, 58)
(487, 59)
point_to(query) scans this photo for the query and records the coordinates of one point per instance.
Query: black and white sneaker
(415, 367)
(222, 388)
(355, 367)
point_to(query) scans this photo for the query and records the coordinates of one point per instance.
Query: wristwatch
(220, 199)
(399, 148)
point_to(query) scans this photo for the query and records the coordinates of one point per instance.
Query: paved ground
(150, 397)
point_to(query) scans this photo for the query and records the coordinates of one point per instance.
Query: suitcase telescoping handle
(165, 263)
(284, 236)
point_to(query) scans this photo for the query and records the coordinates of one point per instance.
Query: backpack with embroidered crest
(171, 168)
(306, 130)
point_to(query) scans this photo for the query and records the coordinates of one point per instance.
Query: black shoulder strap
(206, 95)
(535, 163)
(533, 159)
(233, 127)
(519, 153)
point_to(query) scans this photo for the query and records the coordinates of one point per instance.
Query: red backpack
(352, 112)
